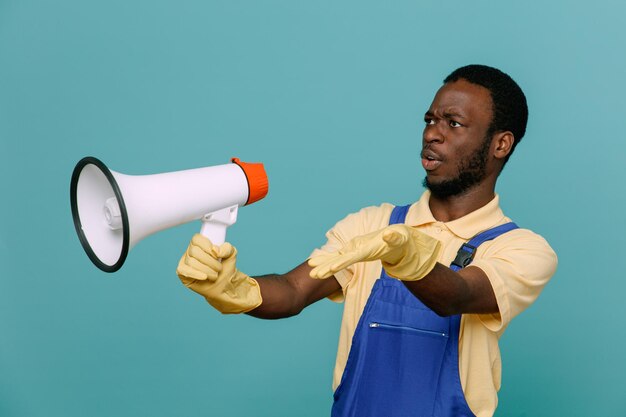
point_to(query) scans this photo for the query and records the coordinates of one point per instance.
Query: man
(420, 328)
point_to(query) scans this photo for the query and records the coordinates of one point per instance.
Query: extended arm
(448, 292)
(410, 255)
(211, 271)
(288, 294)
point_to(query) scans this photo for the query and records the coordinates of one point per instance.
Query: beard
(471, 171)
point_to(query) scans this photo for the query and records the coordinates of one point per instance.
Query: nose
(432, 134)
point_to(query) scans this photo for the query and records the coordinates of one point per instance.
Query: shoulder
(519, 255)
(522, 241)
(366, 220)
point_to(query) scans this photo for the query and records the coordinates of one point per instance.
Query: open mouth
(430, 164)
(430, 160)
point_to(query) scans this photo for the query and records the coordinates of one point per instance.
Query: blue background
(330, 96)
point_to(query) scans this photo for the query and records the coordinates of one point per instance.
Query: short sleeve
(518, 264)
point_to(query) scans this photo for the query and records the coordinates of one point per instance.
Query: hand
(211, 271)
(405, 252)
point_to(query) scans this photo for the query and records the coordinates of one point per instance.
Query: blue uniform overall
(404, 358)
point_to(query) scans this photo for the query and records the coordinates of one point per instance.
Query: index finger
(202, 242)
(334, 264)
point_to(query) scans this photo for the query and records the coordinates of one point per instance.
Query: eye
(429, 121)
(455, 124)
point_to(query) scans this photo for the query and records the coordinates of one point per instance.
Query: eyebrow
(447, 115)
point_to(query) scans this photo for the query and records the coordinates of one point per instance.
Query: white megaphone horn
(113, 211)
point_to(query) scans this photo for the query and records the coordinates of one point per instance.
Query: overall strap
(399, 214)
(466, 253)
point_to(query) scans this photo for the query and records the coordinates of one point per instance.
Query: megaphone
(114, 211)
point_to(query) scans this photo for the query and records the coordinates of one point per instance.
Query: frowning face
(457, 138)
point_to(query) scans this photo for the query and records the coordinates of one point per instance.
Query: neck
(446, 209)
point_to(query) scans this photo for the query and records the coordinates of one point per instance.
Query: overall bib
(404, 359)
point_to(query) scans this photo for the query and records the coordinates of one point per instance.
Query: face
(456, 139)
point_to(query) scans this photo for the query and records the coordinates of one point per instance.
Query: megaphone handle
(214, 224)
(215, 232)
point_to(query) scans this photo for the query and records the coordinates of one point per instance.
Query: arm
(211, 271)
(288, 294)
(499, 285)
(447, 292)
(410, 255)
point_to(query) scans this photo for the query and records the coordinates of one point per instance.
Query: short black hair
(510, 110)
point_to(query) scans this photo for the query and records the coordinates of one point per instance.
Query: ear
(502, 144)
